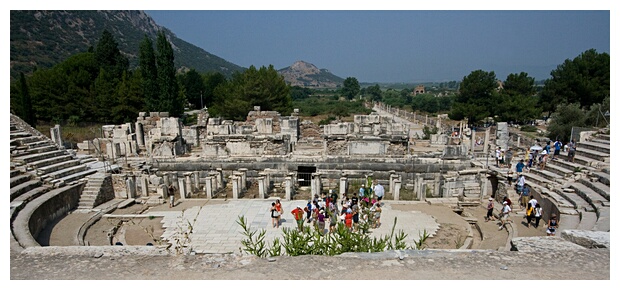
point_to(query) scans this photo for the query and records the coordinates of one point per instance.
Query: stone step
(568, 222)
(531, 177)
(557, 198)
(50, 161)
(35, 150)
(577, 201)
(40, 156)
(589, 195)
(588, 221)
(589, 162)
(57, 167)
(559, 170)
(75, 176)
(594, 146)
(17, 180)
(15, 172)
(31, 194)
(598, 187)
(603, 177)
(604, 220)
(603, 137)
(567, 165)
(546, 174)
(64, 172)
(24, 187)
(19, 134)
(592, 154)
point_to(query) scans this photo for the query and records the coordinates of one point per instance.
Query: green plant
(420, 244)
(528, 128)
(254, 244)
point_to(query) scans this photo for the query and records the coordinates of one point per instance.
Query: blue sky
(396, 45)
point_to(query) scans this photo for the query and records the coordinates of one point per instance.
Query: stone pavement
(215, 228)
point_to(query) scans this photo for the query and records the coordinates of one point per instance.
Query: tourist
(537, 214)
(315, 211)
(490, 207)
(505, 215)
(525, 196)
(502, 159)
(572, 148)
(321, 221)
(281, 210)
(333, 218)
(533, 201)
(543, 159)
(519, 167)
(356, 216)
(354, 199)
(520, 184)
(509, 176)
(377, 211)
(361, 191)
(498, 155)
(298, 213)
(547, 147)
(508, 158)
(552, 225)
(348, 219)
(171, 194)
(557, 147)
(506, 199)
(275, 214)
(308, 211)
(379, 191)
(529, 214)
(334, 198)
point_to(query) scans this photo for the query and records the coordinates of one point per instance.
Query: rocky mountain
(307, 75)
(41, 39)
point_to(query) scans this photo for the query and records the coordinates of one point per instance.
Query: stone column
(518, 141)
(484, 192)
(244, 174)
(196, 176)
(166, 180)
(437, 191)
(486, 140)
(262, 188)
(182, 189)
(343, 185)
(316, 184)
(188, 183)
(288, 188)
(396, 192)
(209, 186)
(130, 187)
(235, 186)
(56, 135)
(144, 185)
(473, 140)
(139, 134)
(426, 122)
(219, 178)
(420, 188)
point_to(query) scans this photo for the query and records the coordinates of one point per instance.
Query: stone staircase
(98, 190)
(594, 152)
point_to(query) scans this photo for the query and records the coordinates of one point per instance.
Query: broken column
(243, 173)
(316, 184)
(288, 187)
(196, 183)
(219, 178)
(130, 186)
(140, 134)
(56, 135)
(396, 191)
(208, 186)
(235, 186)
(343, 185)
(144, 185)
(262, 188)
(473, 140)
(182, 189)
(188, 183)
(486, 140)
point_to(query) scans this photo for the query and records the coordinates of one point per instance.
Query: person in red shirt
(298, 213)
(348, 219)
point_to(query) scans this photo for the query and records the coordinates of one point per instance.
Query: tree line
(98, 86)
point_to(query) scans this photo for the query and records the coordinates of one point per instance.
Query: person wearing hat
(348, 219)
(490, 207)
(361, 191)
(321, 221)
(308, 210)
(543, 159)
(298, 213)
(552, 225)
(505, 215)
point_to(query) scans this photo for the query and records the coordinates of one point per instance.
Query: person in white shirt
(505, 214)
(379, 191)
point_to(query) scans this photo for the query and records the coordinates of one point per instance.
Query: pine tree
(148, 71)
(26, 110)
(169, 98)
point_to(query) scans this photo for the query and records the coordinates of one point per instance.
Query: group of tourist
(329, 210)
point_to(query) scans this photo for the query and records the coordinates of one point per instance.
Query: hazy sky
(396, 46)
